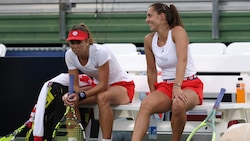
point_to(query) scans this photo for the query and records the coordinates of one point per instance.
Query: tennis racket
(69, 129)
(12, 136)
(208, 121)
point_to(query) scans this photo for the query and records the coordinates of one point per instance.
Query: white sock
(106, 139)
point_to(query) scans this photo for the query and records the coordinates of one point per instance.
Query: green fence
(117, 27)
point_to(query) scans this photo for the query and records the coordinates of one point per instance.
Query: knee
(102, 99)
(178, 108)
(145, 106)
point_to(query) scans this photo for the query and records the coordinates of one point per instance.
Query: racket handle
(219, 98)
(71, 84)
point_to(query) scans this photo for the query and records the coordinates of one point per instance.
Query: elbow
(183, 60)
(104, 87)
(151, 70)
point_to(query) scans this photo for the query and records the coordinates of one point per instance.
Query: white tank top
(166, 58)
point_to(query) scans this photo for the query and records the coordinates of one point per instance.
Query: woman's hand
(178, 94)
(70, 100)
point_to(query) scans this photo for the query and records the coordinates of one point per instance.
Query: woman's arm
(151, 66)
(181, 41)
(102, 86)
(103, 76)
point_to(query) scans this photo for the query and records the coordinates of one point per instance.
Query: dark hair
(171, 13)
(84, 28)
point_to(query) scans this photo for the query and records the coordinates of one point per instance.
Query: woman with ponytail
(181, 90)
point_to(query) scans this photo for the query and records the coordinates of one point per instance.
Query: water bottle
(152, 129)
(240, 91)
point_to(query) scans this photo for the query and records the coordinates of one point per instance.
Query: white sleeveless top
(166, 58)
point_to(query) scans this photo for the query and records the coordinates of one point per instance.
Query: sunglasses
(75, 42)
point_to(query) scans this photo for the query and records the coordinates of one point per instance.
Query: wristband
(177, 84)
(82, 95)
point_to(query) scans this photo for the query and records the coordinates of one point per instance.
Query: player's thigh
(156, 101)
(116, 95)
(192, 98)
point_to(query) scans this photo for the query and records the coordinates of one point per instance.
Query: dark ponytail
(176, 19)
(171, 13)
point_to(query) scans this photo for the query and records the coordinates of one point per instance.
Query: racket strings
(70, 130)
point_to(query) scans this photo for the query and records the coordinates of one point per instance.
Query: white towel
(63, 79)
(38, 131)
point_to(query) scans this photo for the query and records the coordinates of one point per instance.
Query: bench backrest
(238, 48)
(207, 48)
(216, 71)
(122, 48)
(203, 63)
